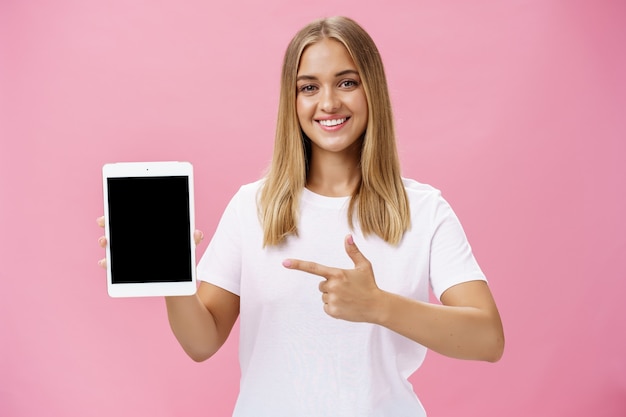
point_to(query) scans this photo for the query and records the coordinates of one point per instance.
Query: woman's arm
(466, 326)
(200, 322)
(203, 321)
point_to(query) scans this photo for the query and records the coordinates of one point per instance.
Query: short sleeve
(220, 264)
(452, 261)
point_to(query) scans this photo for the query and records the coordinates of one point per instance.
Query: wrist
(382, 308)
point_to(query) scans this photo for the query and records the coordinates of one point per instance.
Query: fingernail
(100, 239)
(201, 235)
(287, 263)
(350, 240)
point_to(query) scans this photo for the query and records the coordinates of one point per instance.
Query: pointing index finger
(306, 266)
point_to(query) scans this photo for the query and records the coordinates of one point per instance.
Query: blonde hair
(379, 202)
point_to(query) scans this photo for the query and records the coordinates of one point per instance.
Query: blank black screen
(149, 229)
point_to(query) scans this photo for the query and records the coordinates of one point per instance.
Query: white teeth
(334, 122)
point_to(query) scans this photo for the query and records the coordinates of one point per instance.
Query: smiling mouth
(333, 122)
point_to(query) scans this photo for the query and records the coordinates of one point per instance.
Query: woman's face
(330, 101)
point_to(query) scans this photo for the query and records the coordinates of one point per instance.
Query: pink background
(514, 109)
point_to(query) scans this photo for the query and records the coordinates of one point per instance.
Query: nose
(329, 101)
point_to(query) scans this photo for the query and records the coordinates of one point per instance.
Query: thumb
(354, 253)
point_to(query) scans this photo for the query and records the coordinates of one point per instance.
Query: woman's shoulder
(424, 198)
(416, 189)
(244, 201)
(247, 193)
(251, 188)
(427, 205)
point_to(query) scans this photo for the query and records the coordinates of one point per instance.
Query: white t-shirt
(296, 360)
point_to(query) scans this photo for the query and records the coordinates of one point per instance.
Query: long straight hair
(379, 202)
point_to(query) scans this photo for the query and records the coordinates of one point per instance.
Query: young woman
(329, 258)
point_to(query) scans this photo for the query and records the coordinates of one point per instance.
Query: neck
(334, 175)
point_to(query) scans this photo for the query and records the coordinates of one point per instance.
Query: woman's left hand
(348, 294)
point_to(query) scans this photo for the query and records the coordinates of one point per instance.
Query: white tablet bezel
(150, 169)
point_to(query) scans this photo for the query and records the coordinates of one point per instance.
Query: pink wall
(514, 109)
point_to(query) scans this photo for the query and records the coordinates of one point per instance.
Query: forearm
(456, 331)
(193, 326)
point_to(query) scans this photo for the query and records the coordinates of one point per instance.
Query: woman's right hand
(102, 241)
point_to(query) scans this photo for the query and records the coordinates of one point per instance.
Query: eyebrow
(339, 74)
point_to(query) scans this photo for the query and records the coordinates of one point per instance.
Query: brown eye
(349, 84)
(307, 88)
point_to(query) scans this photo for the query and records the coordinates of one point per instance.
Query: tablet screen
(149, 229)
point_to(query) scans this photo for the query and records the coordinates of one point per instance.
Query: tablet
(149, 224)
